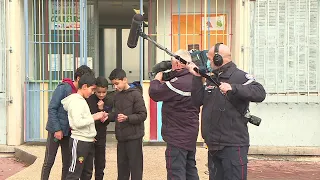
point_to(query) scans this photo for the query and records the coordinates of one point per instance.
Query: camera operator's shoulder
(185, 79)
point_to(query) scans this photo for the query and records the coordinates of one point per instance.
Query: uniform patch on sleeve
(250, 79)
(174, 79)
(249, 76)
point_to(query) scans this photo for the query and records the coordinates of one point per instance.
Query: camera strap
(247, 108)
(241, 113)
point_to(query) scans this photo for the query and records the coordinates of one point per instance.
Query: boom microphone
(136, 24)
(135, 32)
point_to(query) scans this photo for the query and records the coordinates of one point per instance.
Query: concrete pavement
(259, 167)
(154, 163)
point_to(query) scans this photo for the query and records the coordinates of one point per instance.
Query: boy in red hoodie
(58, 125)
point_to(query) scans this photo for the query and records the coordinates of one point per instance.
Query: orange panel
(190, 29)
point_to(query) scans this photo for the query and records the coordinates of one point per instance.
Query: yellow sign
(65, 15)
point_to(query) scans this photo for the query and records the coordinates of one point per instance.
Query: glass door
(130, 58)
(109, 48)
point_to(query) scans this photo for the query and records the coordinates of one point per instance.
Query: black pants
(130, 159)
(230, 163)
(50, 156)
(81, 160)
(181, 164)
(100, 158)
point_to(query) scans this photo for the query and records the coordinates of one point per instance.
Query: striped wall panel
(159, 121)
(39, 94)
(33, 122)
(44, 103)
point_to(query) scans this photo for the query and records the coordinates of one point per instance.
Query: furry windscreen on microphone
(136, 24)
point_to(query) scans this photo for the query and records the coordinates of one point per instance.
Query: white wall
(16, 72)
(287, 121)
(286, 125)
(3, 61)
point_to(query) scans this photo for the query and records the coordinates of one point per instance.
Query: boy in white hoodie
(83, 129)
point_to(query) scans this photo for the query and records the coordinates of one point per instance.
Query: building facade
(43, 42)
(3, 100)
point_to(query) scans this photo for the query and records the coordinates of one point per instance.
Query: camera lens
(255, 120)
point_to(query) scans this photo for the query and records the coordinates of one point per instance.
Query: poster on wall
(67, 62)
(214, 23)
(53, 62)
(80, 61)
(64, 15)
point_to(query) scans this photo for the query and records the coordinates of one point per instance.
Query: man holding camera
(224, 113)
(180, 119)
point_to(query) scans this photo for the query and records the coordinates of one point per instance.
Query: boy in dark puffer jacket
(131, 114)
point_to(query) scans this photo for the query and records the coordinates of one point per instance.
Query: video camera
(198, 57)
(163, 66)
(255, 120)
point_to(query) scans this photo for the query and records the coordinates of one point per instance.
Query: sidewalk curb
(25, 156)
(284, 150)
(7, 149)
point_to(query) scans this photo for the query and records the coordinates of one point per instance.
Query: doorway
(114, 53)
(114, 27)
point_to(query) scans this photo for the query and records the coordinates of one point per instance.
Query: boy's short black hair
(117, 74)
(87, 79)
(83, 69)
(102, 82)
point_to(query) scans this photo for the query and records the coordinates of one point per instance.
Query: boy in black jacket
(101, 102)
(131, 114)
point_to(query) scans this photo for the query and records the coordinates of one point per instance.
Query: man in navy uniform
(224, 125)
(180, 119)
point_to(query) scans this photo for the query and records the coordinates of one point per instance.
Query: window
(285, 46)
(54, 36)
